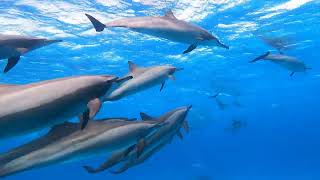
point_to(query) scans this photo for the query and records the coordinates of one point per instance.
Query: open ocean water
(279, 136)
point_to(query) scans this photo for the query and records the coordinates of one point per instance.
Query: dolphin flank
(66, 142)
(174, 121)
(167, 27)
(14, 46)
(288, 62)
(30, 107)
(143, 78)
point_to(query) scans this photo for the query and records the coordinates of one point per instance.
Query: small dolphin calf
(143, 78)
(66, 142)
(14, 46)
(173, 120)
(167, 27)
(30, 107)
(287, 62)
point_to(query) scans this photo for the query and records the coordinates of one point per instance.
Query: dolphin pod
(66, 142)
(143, 78)
(26, 108)
(14, 46)
(288, 62)
(174, 121)
(167, 27)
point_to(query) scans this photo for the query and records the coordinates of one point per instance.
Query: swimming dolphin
(30, 107)
(173, 120)
(66, 142)
(143, 78)
(14, 46)
(287, 62)
(167, 27)
(279, 43)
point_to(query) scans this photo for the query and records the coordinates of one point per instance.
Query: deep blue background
(281, 139)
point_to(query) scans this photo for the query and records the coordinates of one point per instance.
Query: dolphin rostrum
(291, 63)
(30, 107)
(143, 78)
(173, 120)
(66, 142)
(14, 46)
(167, 27)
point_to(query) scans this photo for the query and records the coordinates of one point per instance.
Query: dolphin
(14, 46)
(30, 107)
(291, 63)
(167, 27)
(279, 43)
(143, 78)
(66, 143)
(174, 121)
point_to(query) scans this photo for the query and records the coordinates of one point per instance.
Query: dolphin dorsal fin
(132, 66)
(145, 117)
(169, 14)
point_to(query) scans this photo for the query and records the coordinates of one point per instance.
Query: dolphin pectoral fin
(185, 126)
(11, 63)
(93, 108)
(98, 26)
(260, 57)
(22, 50)
(190, 48)
(145, 117)
(179, 134)
(140, 147)
(84, 119)
(169, 14)
(292, 74)
(162, 86)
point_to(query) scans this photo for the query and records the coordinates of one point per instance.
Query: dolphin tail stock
(98, 26)
(12, 61)
(260, 57)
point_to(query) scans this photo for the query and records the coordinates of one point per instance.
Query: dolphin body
(167, 27)
(14, 46)
(66, 142)
(30, 107)
(173, 120)
(291, 63)
(143, 78)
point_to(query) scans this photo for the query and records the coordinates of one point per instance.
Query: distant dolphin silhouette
(66, 142)
(14, 46)
(143, 78)
(287, 62)
(173, 122)
(30, 107)
(167, 27)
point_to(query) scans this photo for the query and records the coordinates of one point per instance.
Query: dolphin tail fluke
(260, 57)
(292, 74)
(98, 26)
(11, 63)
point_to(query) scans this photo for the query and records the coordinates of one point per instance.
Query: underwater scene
(149, 89)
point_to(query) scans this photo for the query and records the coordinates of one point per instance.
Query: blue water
(281, 138)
